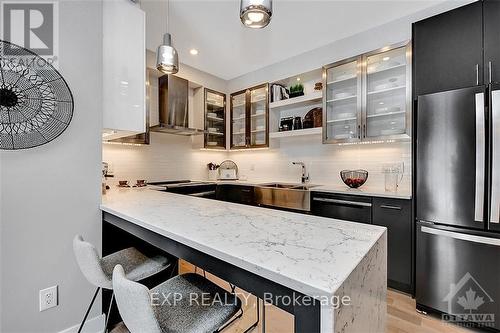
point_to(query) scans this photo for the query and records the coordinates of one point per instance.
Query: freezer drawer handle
(495, 176)
(390, 207)
(202, 194)
(460, 236)
(344, 202)
(480, 158)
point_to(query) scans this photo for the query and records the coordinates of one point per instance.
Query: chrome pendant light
(167, 59)
(256, 14)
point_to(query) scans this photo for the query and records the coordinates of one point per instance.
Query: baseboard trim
(93, 325)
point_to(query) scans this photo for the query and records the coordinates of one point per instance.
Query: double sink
(282, 195)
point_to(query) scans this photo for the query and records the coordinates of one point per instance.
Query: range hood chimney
(173, 107)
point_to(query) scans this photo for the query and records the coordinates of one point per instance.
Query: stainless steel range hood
(173, 107)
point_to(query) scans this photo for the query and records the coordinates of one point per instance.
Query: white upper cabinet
(124, 68)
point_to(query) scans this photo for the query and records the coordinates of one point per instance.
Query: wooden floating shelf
(298, 101)
(302, 132)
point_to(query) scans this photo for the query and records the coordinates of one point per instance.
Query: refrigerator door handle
(495, 141)
(461, 236)
(480, 158)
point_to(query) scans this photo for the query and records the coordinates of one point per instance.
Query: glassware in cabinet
(258, 116)
(215, 119)
(342, 101)
(238, 120)
(387, 94)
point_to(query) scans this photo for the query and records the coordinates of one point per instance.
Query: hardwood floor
(401, 314)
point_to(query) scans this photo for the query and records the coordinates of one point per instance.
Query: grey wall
(50, 193)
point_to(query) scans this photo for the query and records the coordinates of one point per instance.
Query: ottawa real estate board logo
(468, 302)
(32, 25)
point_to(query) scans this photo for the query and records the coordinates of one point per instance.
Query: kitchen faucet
(305, 175)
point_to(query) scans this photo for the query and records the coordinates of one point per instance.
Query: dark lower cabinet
(235, 193)
(395, 215)
(448, 50)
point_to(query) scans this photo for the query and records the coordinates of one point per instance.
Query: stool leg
(88, 310)
(263, 316)
(109, 311)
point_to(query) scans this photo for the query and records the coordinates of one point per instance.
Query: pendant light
(167, 59)
(256, 14)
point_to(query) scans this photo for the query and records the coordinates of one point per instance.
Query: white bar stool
(99, 271)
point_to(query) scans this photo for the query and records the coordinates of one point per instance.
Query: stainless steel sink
(290, 196)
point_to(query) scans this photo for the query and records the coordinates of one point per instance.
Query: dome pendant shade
(167, 60)
(256, 14)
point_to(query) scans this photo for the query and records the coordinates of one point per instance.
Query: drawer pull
(344, 202)
(391, 207)
(245, 190)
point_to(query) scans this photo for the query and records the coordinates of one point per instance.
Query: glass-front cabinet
(342, 95)
(388, 94)
(250, 118)
(215, 119)
(368, 98)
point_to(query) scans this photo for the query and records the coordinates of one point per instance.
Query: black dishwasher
(342, 207)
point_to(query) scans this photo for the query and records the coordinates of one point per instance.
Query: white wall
(52, 192)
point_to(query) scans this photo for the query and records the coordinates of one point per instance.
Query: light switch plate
(48, 298)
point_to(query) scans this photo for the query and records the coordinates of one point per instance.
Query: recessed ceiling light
(386, 58)
(193, 51)
(298, 78)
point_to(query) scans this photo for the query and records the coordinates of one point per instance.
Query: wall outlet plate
(48, 298)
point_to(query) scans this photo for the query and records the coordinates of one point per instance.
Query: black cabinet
(342, 207)
(395, 215)
(448, 50)
(235, 193)
(491, 41)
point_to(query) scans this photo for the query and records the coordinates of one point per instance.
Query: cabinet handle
(344, 202)
(364, 130)
(359, 131)
(390, 207)
(477, 74)
(245, 190)
(489, 72)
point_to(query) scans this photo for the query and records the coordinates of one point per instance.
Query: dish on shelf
(343, 95)
(213, 130)
(260, 128)
(342, 136)
(377, 67)
(387, 109)
(345, 76)
(391, 131)
(211, 114)
(259, 112)
(345, 115)
(211, 143)
(260, 142)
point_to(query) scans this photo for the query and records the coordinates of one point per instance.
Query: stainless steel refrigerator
(458, 204)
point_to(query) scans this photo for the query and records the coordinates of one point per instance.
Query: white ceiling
(228, 50)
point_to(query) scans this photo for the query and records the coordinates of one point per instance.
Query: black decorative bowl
(354, 178)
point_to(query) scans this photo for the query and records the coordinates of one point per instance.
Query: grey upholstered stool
(187, 303)
(99, 271)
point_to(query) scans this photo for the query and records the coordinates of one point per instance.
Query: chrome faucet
(305, 175)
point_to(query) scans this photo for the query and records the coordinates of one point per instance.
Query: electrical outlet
(48, 298)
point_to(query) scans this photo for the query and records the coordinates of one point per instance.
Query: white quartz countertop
(309, 254)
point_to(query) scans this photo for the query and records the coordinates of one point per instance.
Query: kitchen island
(333, 272)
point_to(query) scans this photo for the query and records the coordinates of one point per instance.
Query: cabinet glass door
(215, 119)
(387, 90)
(258, 116)
(342, 106)
(238, 120)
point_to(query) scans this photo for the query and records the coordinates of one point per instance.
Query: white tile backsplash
(173, 157)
